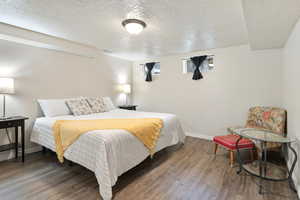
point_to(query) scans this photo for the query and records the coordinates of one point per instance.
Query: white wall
(31, 38)
(242, 78)
(42, 73)
(291, 90)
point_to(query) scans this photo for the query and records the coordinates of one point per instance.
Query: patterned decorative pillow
(97, 104)
(79, 107)
(109, 105)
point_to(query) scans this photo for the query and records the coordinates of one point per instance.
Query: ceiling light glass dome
(134, 26)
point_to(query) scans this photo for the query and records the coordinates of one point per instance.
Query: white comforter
(109, 153)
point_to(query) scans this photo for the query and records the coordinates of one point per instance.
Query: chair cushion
(229, 141)
(273, 119)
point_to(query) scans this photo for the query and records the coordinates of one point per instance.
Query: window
(189, 67)
(155, 70)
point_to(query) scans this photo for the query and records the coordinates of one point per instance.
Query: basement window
(155, 70)
(189, 67)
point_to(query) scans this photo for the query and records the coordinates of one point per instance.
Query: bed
(109, 153)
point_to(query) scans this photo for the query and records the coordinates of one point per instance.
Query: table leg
(23, 141)
(238, 155)
(265, 159)
(16, 141)
(292, 168)
(261, 167)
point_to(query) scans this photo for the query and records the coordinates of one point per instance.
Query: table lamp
(126, 89)
(6, 87)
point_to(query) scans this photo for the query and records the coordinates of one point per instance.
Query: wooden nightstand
(15, 122)
(128, 107)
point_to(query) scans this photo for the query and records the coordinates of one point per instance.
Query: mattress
(109, 153)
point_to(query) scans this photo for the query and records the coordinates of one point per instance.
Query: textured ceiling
(270, 22)
(173, 26)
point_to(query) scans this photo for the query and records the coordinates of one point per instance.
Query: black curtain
(149, 69)
(197, 61)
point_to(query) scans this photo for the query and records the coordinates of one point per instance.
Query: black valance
(197, 61)
(149, 67)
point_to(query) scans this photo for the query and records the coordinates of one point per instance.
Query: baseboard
(201, 136)
(33, 149)
(7, 155)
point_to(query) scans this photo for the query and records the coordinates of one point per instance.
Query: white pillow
(54, 107)
(109, 105)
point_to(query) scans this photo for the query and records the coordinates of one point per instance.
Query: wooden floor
(189, 172)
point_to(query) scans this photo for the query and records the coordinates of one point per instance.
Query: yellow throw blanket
(66, 132)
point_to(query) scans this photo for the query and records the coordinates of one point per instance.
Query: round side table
(262, 137)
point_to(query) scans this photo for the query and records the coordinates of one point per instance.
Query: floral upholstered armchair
(267, 118)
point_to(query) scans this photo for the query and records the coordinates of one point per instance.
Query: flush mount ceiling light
(134, 26)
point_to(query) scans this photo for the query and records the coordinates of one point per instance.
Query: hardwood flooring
(189, 172)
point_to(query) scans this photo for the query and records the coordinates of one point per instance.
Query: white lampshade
(7, 86)
(126, 88)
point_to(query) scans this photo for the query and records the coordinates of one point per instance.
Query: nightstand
(128, 107)
(15, 122)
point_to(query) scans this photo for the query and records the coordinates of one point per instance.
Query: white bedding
(109, 153)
